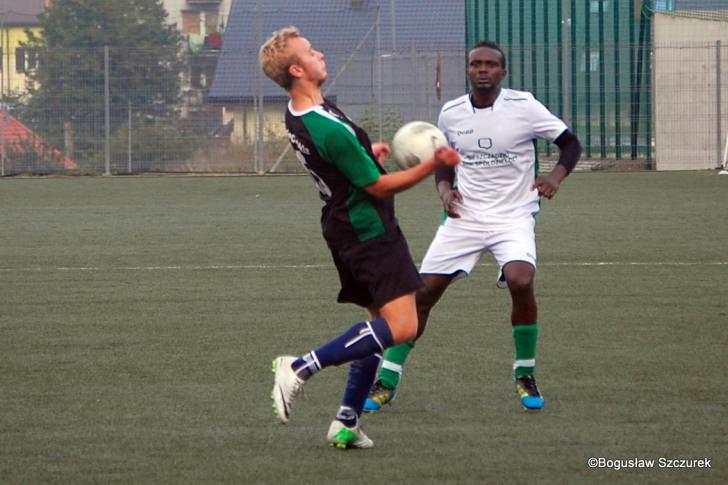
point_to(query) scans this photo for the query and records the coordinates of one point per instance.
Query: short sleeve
(441, 126)
(338, 145)
(347, 154)
(545, 125)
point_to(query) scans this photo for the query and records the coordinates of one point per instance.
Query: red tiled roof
(12, 132)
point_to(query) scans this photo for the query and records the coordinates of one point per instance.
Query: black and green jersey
(338, 155)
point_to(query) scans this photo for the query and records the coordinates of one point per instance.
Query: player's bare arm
(450, 197)
(392, 183)
(569, 153)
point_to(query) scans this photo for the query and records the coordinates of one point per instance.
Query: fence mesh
(129, 112)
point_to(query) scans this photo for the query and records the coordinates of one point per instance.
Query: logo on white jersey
(485, 143)
(487, 159)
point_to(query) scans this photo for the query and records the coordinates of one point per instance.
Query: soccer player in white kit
(491, 200)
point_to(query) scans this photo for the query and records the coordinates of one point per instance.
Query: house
(201, 23)
(15, 61)
(22, 150)
(390, 54)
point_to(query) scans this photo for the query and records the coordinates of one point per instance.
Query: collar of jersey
(492, 108)
(301, 113)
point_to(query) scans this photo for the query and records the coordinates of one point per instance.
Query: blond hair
(275, 58)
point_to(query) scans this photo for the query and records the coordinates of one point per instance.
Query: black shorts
(375, 272)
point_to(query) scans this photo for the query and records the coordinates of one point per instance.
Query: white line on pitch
(330, 266)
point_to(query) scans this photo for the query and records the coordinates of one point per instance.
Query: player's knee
(426, 299)
(421, 325)
(403, 330)
(520, 283)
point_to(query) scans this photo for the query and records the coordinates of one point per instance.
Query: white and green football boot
(343, 437)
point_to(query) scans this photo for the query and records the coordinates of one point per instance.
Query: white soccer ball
(415, 142)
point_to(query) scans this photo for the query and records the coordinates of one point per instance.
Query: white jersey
(498, 164)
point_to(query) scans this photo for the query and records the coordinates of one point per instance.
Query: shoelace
(381, 393)
(530, 385)
(297, 389)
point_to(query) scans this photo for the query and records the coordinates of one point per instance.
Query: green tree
(391, 122)
(66, 90)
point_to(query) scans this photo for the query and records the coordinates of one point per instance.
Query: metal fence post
(588, 82)
(719, 132)
(378, 51)
(260, 142)
(602, 87)
(129, 141)
(107, 114)
(2, 140)
(572, 66)
(617, 97)
(413, 96)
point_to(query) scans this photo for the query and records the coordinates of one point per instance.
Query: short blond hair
(275, 58)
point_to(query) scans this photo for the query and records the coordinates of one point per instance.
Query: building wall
(196, 20)
(691, 74)
(245, 122)
(408, 92)
(11, 80)
(187, 17)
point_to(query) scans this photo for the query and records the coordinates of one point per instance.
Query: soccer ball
(415, 142)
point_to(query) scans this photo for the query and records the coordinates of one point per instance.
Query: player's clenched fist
(446, 157)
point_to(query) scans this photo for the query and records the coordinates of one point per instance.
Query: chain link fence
(128, 112)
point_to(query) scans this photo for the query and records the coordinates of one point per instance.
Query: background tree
(65, 99)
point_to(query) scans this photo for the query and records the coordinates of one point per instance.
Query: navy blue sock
(361, 340)
(347, 416)
(361, 377)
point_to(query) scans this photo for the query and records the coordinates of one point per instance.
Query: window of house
(20, 59)
(25, 59)
(31, 59)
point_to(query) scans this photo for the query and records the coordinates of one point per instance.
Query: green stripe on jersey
(363, 215)
(337, 144)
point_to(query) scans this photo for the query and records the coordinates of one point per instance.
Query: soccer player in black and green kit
(358, 222)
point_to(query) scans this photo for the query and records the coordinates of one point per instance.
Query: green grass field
(139, 316)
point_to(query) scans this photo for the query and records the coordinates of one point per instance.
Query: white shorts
(456, 250)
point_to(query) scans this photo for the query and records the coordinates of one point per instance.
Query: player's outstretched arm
(569, 153)
(392, 183)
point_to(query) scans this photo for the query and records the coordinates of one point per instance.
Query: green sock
(525, 338)
(391, 371)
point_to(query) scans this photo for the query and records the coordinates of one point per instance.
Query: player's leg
(370, 274)
(524, 319)
(385, 282)
(384, 390)
(345, 431)
(515, 250)
(453, 253)
(361, 340)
